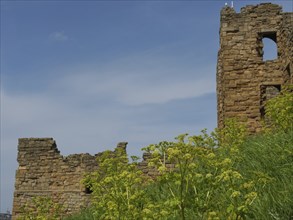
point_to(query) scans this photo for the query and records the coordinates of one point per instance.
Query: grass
(268, 160)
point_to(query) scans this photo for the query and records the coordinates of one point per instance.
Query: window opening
(268, 46)
(267, 92)
(270, 51)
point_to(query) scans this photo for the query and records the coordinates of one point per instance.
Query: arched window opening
(267, 48)
(270, 50)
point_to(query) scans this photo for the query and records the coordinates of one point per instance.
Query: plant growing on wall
(117, 187)
(205, 183)
(204, 169)
(41, 208)
(279, 110)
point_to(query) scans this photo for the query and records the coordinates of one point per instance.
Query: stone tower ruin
(245, 81)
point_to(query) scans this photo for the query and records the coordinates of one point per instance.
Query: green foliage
(225, 175)
(85, 214)
(117, 188)
(279, 110)
(268, 161)
(41, 208)
(203, 171)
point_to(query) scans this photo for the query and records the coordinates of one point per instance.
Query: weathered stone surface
(43, 171)
(244, 81)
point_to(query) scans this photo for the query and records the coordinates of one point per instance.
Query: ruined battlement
(43, 171)
(245, 80)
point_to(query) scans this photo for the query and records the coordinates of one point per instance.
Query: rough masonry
(245, 81)
(43, 171)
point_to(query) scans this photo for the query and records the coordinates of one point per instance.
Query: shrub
(117, 187)
(279, 110)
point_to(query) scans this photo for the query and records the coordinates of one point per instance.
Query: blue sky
(93, 73)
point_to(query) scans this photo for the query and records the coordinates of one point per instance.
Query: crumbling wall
(43, 171)
(149, 171)
(286, 56)
(244, 80)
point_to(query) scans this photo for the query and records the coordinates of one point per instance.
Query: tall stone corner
(245, 80)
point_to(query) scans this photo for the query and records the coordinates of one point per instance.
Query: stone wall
(151, 172)
(43, 171)
(244, 80)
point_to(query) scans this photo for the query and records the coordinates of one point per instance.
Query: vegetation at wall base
(223, 175)
(42, 208)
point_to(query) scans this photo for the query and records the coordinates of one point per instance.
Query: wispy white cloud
(139, 90)
(151, 77)
(58, 36)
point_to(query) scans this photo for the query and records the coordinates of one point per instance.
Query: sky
(94, 73)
